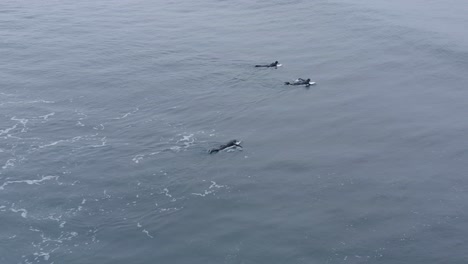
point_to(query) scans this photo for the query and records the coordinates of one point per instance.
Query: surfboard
(312, 83)
(279, 65)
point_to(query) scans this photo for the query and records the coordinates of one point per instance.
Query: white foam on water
(101, 127)
(205, 193)
(127, 114)
(166, 192)
(7, 130)
(9, 163)
(103, 143)
(83, 201)
(138, 158)
(176, 148)
(34, 229)
(30, 182)
(22, 121)
(173, 209)
(71, 140)
(83, 115)
(139, 225)
(28, 102)
(211, 189)
(52, 144)
(187, 140)
(49, 245)
(147, 233)
(24, 213)
(43, 254)
(215, 185)
(45, 117)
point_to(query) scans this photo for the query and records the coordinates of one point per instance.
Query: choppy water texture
(107, 109)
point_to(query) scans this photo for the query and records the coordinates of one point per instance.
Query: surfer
(274, 64)
(300, 81)
(231, 144)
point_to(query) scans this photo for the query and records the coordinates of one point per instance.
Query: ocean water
(108, 108)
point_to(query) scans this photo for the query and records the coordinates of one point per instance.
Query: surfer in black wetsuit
(299, 81)
(231, 144)
(274, 64)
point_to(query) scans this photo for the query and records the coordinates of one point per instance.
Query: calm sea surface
(108, 108)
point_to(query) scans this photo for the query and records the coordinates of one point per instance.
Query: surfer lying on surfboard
(301, 81)
(231, 144)
(275, 64)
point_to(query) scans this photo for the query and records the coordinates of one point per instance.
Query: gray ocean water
(107, 109)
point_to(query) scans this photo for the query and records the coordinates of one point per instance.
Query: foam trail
(24, 213)
(23, 121)
(147, 233)
(210, 189)
(6, 130)
(45, 117)
(30, 182)
(127, 114)
(29, 102)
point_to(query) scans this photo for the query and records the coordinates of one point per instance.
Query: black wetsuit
(232, 143)
(274, 64)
